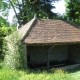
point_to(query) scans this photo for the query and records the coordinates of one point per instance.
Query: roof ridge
(25, 29)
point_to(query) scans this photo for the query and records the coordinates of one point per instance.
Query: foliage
(3, 22)
(4, 31)
(4, 9)
(73, 10)
(42, 8)
(13, 51)
(3, 5)
(27, 9)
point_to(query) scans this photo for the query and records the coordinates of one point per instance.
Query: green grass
(58, 74)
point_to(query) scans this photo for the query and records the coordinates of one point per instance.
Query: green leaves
(42, 8)
(27, 9)
(73, 11)
(4, 31)
(14, 51)
(3, 22)
(3, 5)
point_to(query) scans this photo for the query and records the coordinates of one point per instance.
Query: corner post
(25, 56)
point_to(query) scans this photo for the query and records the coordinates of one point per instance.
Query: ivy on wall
(13, 51)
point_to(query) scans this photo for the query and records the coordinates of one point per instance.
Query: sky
(60, 8)
(11, 14)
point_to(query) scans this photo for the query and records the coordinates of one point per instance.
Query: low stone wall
(38, 54)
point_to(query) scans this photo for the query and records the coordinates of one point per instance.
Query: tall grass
(53, 74)
(7, 74)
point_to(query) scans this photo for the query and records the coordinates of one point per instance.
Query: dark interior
(73, 51)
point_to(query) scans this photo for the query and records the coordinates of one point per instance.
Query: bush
(13, 51)
(4, 31)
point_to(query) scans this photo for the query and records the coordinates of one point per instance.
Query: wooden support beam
(48, 53)
(48, 60)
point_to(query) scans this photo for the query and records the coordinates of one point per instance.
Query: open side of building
(59, 55)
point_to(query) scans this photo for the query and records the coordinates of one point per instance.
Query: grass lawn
(8, 74)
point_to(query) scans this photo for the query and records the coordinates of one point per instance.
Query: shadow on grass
(73, 70)
(51, 71)
(38, 71)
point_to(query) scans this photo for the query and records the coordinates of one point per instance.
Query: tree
(4, 10)
(27, 8)
(73, 10)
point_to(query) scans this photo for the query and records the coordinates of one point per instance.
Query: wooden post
(48, 53)
(48, 60)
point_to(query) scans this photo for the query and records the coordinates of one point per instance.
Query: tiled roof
(25, 29)
(46, 31)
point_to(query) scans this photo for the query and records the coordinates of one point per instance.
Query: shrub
(4, 31)
(13, 51)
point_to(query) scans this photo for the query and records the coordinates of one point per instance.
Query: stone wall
(38, 54)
